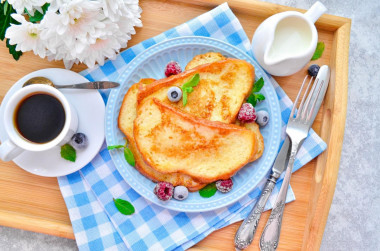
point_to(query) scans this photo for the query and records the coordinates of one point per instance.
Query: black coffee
(40, 118)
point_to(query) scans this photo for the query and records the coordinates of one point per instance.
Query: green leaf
(184, 98)
(68, 153)
(114, 147)
(188, 87)
(128, 155)
(192, 82)
(124, 207)
(6, 5)
(258, 85)
(318, 51)
(208, 191)
(5, 21)
(38, 16)
(260, 97)
(12, 50)
(5, 18)
(252, 99)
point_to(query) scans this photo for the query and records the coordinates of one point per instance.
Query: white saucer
(90, 108)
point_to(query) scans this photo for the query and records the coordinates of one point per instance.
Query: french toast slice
(211, 57)
(125, 121)
(173, 141)
(222, 89)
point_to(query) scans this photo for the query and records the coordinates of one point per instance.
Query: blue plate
(150, 64)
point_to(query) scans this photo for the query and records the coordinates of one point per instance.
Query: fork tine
(304, 112)
(301, 107)
(296, 101)
(315, 101)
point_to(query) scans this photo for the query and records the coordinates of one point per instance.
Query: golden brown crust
(205, 58)
(126, 110)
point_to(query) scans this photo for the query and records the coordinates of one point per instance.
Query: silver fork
(297, 130)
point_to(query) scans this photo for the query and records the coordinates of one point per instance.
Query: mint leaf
(184, 98)
(38, 16)
(192, 82)
(252, 99)
(124, 207)
(188, 87)
(258, 85)
(114, 147)
(260, 97)
(318, 51)
(256, 97)
(68, 153)
(208, 191)
(128, 155)
(12, 50)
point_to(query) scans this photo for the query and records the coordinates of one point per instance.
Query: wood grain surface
(35, 203)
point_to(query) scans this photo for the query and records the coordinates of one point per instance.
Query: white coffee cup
(16, 143)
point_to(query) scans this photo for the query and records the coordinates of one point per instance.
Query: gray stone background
(354, 218)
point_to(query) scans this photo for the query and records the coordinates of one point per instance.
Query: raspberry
(247, 113)
(224, 186)
(164, 190)
(172, 68)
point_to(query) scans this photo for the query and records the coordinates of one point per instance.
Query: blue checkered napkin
(88, 193)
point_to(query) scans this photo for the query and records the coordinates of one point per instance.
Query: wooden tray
(35, 203)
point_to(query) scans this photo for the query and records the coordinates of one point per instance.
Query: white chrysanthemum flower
(30, 5)
(103, 48)
(77, 31)
(26, 36)
(114, 9)
(78, 24)
(55, 4)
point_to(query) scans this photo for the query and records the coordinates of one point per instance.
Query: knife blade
(246, 231)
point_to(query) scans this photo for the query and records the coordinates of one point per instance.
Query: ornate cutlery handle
(247, 229)
(271, 234)
(91, 85)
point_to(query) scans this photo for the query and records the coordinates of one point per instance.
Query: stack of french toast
(198, 143)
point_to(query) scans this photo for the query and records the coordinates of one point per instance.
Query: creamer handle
(315, 11)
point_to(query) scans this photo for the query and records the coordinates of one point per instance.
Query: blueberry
(313, 70)
(262, 118)
(180, 193)
(79, 141)
(174, 94)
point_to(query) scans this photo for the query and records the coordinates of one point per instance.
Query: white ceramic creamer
(284, 43)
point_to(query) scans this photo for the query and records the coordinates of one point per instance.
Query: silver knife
(91, 85)
(247, 229)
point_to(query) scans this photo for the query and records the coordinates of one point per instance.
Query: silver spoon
(87, 85)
